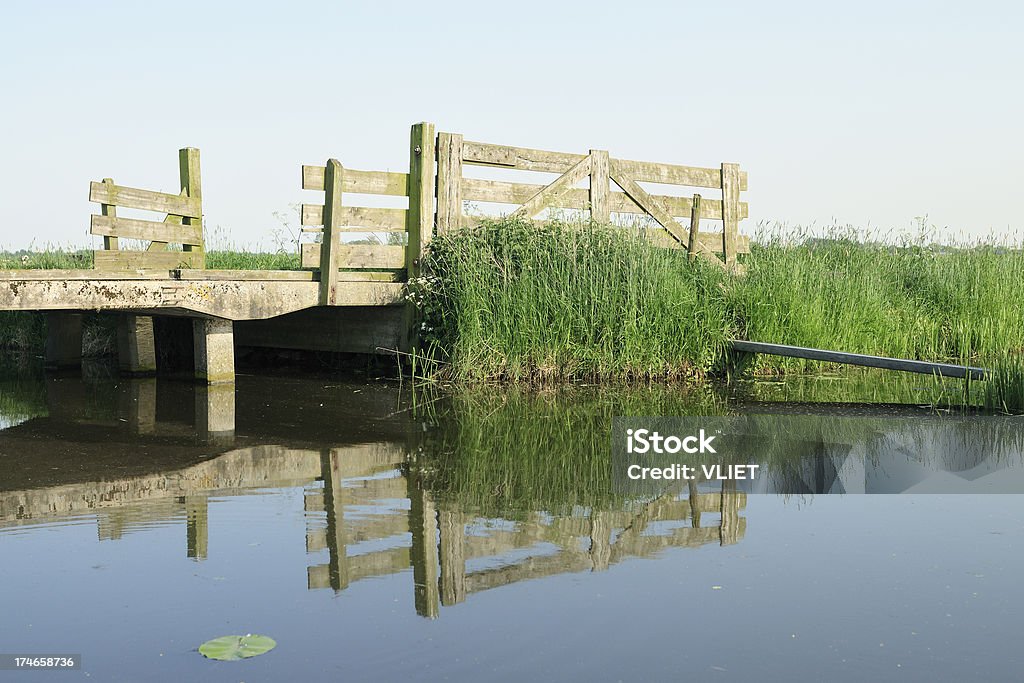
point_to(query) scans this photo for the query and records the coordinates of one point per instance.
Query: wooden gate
(173, 243)
(600, 199)
(398, 256)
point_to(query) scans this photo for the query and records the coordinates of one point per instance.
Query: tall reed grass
(511, 301)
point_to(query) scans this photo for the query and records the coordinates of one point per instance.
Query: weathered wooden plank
(599, 185)
(673, 174)
(360, 182)
(371, 276)
(110, 211)
(730, 211)
(522, 158)
(707, 241)
(191, 185)
(502, 192)
(549, 194)
(358, 256)
(331, 242)
(133, 228)
(656, 211)
(420, 218)
(259, 275)
(384, 220)
(31, 274)
(143, 260)
(449, 182)
(710, 242)
(918, 366)
(146, 200)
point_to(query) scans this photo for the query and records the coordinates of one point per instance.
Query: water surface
(382, 535)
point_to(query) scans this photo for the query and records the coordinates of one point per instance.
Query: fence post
(730, 211)
(421, 194)
(331, 243)
(109, 210)
(599, 185)
(192, 185)
(449, 182)
(695, 208)
(420, 217)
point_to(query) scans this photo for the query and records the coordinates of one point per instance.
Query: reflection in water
(476, 491)
(371, 509)
(330, 514)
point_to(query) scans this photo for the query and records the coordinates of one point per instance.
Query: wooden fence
(174, 242)
(339, 261)
(599, 199)
(613, 190)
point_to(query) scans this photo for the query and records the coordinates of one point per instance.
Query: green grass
(59, 259)
(51, 259)
(251, 260)
(959, 304)
(509, 301)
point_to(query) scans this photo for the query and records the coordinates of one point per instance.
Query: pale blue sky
(868, 113)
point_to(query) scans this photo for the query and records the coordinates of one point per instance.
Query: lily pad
(233, 648)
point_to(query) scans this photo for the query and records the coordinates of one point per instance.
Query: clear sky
(868, 113)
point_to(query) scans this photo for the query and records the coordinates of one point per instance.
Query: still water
(382, 534)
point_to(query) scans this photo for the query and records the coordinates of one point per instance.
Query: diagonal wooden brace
(549, 194)
(656, 211)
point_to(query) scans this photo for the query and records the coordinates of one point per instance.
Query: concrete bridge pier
(214, 341)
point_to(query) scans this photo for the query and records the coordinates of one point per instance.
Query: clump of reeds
(515, 301)
(1004, 388)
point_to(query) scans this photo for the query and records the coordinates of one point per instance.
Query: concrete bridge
(349, 294)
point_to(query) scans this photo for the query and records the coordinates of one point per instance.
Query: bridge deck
(232, 295)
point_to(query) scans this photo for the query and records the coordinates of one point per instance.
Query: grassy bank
(509, 301)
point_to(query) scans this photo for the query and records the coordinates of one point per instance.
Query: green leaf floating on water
(233, 648)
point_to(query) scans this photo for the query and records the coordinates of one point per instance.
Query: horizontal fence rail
(613, 189)
(175, 242)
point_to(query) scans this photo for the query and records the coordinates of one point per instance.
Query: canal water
(381, 533)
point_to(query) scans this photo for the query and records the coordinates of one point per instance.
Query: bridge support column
(214, 341)
(63, 340)
(136, 345)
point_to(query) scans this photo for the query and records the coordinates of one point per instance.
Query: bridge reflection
(371, 507)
